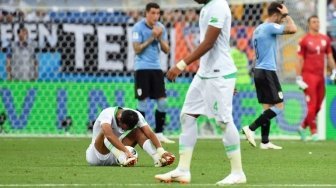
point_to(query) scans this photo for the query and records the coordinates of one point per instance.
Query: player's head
(152, 13)
(22, 32)
(333, 2)
(128, 119)
(274, 13)
(201, 1)
(313, 23)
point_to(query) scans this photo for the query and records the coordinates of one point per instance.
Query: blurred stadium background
(85, 63)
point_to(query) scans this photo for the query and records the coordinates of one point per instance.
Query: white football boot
(269, 145)
(249, 134)
(174, 176)
(233, 178)
(163, 139)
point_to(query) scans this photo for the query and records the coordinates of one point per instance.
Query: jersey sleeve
(328, 47)
(275, 29)
(301, 47)
(136, 34)
(142, 121)
(217, 17)
(105, 117)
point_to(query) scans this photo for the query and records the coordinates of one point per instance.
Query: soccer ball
(133, 151)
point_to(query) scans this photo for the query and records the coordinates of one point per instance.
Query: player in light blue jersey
(149, 39)
(267, 84)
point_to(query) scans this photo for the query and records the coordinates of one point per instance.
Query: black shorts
(267, 87)
(149, 83)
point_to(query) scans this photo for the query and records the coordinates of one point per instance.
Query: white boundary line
(162, 184)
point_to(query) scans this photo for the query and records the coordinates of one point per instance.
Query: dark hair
(152, 5)
(273, 8)
(21, 27)
(130, 118)
(311, 17)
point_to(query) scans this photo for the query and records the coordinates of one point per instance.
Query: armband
(181, 65)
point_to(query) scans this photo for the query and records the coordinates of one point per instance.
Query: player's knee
(222, 125)
(162, 105)
(277, 110)
(272, 112)
(138, 136)
(187, 120)
(182, 118)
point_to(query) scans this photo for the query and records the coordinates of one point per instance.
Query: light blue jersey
(265, 45)
(149, 58)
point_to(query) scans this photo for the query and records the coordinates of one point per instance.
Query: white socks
(235, 161)
(150, 149)
(120, 155)
(185, 159)
(188, 140)
(231, 143)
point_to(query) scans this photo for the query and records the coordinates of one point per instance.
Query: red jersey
(313, 49)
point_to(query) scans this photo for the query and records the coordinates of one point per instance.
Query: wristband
(181, 65)
(160, 151)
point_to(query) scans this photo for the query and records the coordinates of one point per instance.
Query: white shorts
(211, 97)
(93, 157)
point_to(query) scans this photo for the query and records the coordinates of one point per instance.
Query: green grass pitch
(60, 162)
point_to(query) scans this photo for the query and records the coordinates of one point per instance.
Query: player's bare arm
(139, 47)
(164, 45)
(149, 134)
(157, 32)
(331, 61)
(299, 80)
(208, 42)
(290, 27)
(113, 139)
(299, 65)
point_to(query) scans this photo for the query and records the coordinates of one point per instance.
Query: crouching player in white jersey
(114, 129)
(210, 93)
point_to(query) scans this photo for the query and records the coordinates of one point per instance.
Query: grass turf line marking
(164, 184)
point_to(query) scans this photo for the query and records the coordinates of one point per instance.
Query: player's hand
(283, 9)
(302, 85)
(129, 154)
(167, 158)
(131, 160)
(173, 73)
(157, 31)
